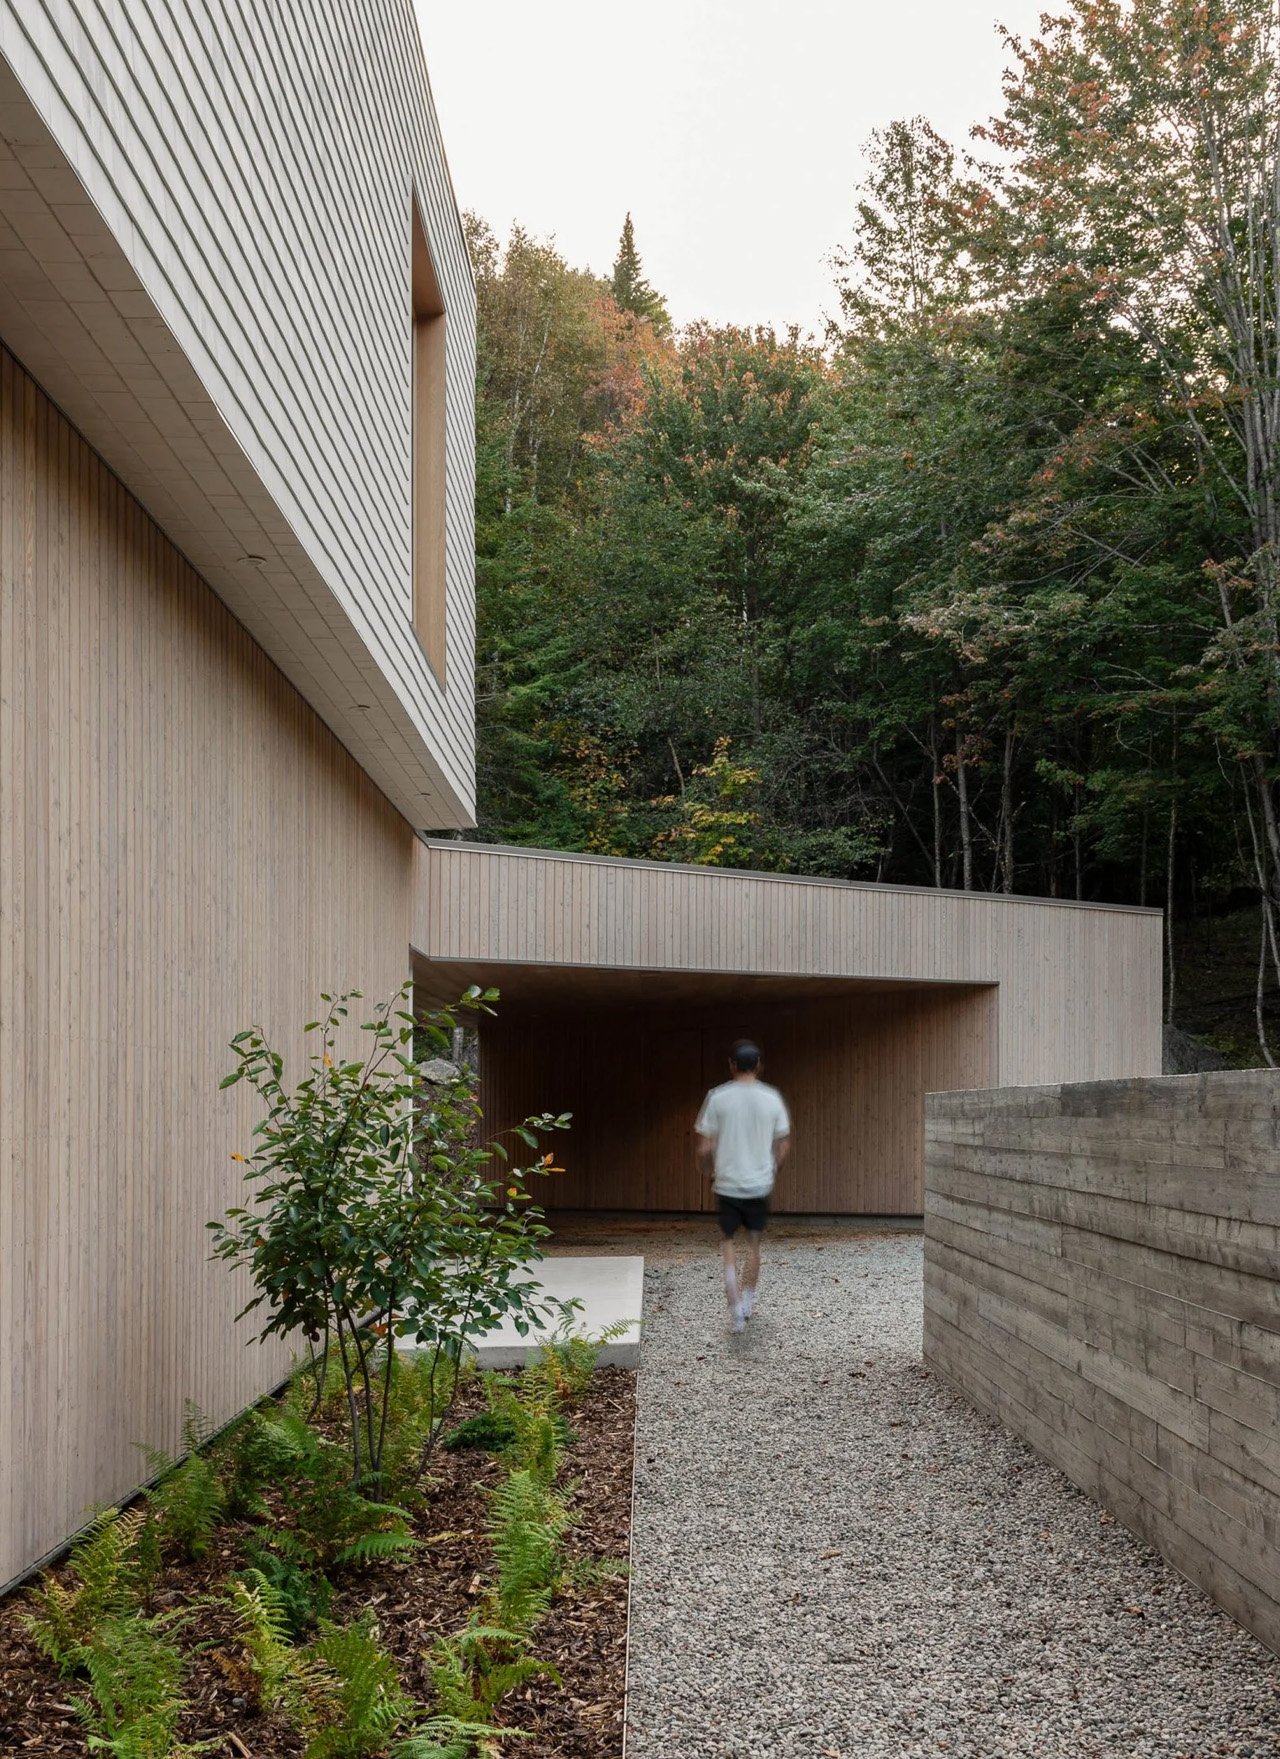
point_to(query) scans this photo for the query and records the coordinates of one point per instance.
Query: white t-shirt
(745, 1119)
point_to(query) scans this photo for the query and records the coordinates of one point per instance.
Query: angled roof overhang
(75, 311)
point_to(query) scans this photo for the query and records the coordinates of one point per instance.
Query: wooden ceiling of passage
(439, 982)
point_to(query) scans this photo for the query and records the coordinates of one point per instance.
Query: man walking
(743, 1137)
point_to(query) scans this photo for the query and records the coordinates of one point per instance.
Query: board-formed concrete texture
(1100, 1274)
(611, 1291)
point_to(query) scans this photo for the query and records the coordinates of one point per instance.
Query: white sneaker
(748, 1303)
(737, 1319)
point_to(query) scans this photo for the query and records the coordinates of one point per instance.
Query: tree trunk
(1006, 811)
(1171, 969)
(937, 805)
(966, 828)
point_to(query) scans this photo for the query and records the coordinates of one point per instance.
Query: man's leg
(751, 1269)
(730, 1221)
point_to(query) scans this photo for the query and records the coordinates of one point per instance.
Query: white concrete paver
(611, 1290)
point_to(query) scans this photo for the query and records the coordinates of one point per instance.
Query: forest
(977, 589)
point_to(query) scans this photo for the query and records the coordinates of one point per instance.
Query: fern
(561, 1371)
(378, 1545)
(188, 1504)
(472, 1672)
(527, 1523)
(356, 1694)
(447, 1737)
(304, 1595)
(334, 1525)
(278, 1675)
(533, 1431)
(264, 1450)
(590, 1572)
(63, 1619)
(189, 1500)
(135, 1678)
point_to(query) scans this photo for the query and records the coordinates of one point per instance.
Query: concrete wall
(1101, 1274)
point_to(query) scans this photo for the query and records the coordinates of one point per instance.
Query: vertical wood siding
(1100, 1274)
(1079, 986)
(854, 1073)
(184, 849)
(256, 162)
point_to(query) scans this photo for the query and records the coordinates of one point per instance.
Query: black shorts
(750, 1213)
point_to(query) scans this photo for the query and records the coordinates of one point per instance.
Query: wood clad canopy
(623, 983)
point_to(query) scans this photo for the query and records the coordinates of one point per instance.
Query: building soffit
(77, 316)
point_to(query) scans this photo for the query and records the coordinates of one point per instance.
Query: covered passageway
(623, 984)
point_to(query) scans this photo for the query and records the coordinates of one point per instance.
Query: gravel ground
(834, 1555)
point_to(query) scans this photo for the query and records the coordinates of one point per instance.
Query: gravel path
(834, 1555)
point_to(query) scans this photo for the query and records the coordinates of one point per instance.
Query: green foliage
(187, 1504)
(262, 1451)
(490, 1432)
(987, 595)
(449, 1737)
(302, 1596)
(332, 1523)
(377, 1212)
(358, 1700)
(135, 1681)
(527, 1522)
(631, 291)
(279, 1678)
(472, 1672)
(560, 1372)
(64, 1618)
(590, 1572)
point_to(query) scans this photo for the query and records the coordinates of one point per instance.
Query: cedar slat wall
(1080, 986)
(1100, 1274)
(854, 1073)
(184, 848)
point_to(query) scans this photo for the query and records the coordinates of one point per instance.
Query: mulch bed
(428, 1596)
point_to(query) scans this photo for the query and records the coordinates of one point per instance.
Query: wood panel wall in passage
(1100, 1275)
(1080, 985)
(184, 849)
(854, 1072)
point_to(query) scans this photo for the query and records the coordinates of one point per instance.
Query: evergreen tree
(631, 291)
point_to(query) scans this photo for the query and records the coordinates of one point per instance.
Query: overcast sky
(730, 128)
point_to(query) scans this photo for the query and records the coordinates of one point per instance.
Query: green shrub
(489, 1432)
(372, 1197)
(63, 1619)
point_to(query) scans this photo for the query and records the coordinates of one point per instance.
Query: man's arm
(781, 1149)
(705, 1152)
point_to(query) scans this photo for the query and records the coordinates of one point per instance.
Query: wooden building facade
(624, 984)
